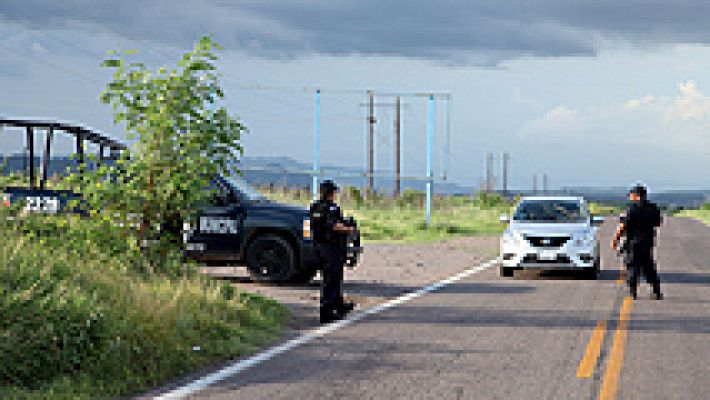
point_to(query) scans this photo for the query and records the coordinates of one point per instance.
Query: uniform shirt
(640, 222)
(330, 214)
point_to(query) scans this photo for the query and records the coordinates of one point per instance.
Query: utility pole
(506, 159)
(489, 172)
(534, 183)
(371, 142)
(544, 183)
(397, 151)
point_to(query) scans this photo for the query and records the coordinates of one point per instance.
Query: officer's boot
(329, 315)
(346, 306)
(657, 295)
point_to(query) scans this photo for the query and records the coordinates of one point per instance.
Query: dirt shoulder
(384, 272)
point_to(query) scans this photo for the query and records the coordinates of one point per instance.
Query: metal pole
(447, 149)
(46, 156)
(31, 155)
(371, 143)
(506, 159)
(397, 151)
(316, 146)
(80, 147)
(544, 183)
(429, 148)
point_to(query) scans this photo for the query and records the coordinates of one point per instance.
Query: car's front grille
(547, 241)
(533, 259)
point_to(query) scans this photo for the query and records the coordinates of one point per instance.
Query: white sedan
(551, 233)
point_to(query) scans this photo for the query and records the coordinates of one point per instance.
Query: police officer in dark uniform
(639, 224)
(330, 235)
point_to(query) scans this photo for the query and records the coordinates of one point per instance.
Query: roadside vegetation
(702, 214)
(83, 316)
(103, 305)
(382, 218)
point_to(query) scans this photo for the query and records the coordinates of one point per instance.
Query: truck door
(219, 224)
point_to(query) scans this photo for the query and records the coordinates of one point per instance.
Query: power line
(59, 67)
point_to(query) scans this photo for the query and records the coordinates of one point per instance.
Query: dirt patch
(385, 271)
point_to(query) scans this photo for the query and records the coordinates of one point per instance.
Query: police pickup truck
(237, 225)
(272, 239)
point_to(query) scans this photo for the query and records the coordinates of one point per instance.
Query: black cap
(639, 190)
(327, 187)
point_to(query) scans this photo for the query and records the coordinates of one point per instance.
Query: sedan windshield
(565, 211)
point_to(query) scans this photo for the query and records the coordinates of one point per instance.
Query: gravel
(385, 271)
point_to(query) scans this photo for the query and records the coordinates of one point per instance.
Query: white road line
(309, 336)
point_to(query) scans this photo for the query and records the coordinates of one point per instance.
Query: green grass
(403, 220)
(81, 316)
(702, 214)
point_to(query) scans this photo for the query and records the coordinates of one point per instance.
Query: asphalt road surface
(548, 336)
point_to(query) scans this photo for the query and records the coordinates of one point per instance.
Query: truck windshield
(242, 187)
(565, 211)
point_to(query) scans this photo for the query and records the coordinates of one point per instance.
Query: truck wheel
(270, 258)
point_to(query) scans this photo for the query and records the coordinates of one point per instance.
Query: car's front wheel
(271, 258)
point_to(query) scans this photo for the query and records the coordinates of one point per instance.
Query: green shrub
(81, 317)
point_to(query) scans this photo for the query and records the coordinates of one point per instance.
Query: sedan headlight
(510, 238)
(585, 239)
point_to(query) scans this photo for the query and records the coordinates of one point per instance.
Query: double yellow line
(610, 382)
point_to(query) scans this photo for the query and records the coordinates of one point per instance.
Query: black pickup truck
(237, 225)
(272, 239)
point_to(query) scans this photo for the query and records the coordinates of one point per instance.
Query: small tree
(182, 140)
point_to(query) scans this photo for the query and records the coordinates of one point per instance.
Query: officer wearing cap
(639, 224)
(330, 235)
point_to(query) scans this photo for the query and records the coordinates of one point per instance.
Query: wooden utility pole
(397, 151)
(371, 142)
(534, 183)
(506, 159)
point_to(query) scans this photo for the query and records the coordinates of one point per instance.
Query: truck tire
(271, 258)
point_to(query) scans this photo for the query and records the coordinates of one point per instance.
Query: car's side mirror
(597, 220)
(504, 219)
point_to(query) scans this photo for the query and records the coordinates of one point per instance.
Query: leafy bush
(81, 316)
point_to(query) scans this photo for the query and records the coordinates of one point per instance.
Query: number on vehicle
(218, 225)
(42, 204)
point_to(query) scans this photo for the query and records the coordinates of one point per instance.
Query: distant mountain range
(284, 171)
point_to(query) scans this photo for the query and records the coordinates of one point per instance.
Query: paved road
(486, 337)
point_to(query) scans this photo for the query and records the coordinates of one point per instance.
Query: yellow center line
(594, 347)
(610, 384)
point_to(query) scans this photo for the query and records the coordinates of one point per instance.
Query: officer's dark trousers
(640, 260)
(332, 258)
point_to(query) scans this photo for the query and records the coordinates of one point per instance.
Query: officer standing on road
(639, 224)
(330, 235)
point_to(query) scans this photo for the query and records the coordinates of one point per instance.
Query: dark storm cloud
(452, 30)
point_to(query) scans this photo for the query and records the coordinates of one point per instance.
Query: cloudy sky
(593, 93)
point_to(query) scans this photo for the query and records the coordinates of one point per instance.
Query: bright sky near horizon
(593, 93)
